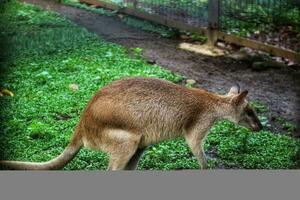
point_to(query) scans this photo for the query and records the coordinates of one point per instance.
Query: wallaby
(128, 115)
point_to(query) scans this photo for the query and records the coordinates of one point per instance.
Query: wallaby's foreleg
(133, 162)
(195, 141)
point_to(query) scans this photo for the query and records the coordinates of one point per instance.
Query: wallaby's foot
(124, 149)
(204, 166)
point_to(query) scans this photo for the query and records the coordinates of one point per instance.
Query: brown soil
(277, 88)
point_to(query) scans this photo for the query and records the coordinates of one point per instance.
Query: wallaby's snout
(250, 118)
(257, 126)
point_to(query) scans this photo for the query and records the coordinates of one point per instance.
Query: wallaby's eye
(249, 112)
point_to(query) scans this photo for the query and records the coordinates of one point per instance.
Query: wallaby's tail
(57, 163)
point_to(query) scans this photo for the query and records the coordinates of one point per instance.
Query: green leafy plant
(288, 126)
(77, 4)
(137, 52)
(259, 107)
(238, 147)
(149, 26)
(252, 17)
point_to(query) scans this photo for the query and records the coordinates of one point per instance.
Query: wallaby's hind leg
(119, 161)
(133, 162)
(122, 149)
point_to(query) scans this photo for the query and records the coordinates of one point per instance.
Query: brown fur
(128, 115)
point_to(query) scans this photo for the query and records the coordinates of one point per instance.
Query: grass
(47, 53)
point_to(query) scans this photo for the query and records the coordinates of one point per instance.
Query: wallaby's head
(241, 111)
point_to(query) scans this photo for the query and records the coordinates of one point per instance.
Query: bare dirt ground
(277, 88)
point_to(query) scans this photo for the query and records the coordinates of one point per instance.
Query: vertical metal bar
(213, 13)
(213, 20)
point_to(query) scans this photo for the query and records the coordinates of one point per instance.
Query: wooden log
(273, 50)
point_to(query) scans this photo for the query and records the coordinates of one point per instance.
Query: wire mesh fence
(275, 22)
(192, 12)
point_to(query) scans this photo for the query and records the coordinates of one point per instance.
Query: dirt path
(279, 89)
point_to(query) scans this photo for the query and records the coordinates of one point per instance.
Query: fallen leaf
(184, 37)
(190, 83)
(120, 16)
(202, 49)
(73, 87)
(62, 117)
(7, 92)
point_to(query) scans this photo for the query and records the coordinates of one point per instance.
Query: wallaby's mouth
(257, 129)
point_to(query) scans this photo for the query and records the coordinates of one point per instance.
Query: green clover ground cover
(47, 53)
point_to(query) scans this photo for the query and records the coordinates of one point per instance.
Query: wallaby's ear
(238, 99)
(234, 89)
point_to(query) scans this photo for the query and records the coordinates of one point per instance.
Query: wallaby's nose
(258, 127)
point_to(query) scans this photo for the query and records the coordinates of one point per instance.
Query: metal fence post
(213, 20)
